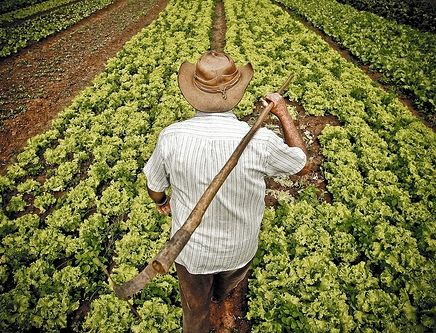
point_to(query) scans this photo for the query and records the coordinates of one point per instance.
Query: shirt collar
(227, 114)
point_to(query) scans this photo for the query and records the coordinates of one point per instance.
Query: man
(187, 157)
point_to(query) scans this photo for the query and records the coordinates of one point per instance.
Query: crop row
(404, 55)
(420, 14)
(366, 262)
(15, 37)
(76, 195)
(23, 13)
(11, 5)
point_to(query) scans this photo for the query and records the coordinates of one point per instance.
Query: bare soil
(42, 79)
(218, 38)
(229, 315)
(309, 127)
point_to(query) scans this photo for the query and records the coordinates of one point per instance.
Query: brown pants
(198, 289)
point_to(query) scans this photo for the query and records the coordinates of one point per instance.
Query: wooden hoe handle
(168, 254)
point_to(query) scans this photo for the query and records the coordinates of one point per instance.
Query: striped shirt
(187, 157)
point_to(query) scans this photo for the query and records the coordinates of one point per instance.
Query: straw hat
(214, 83)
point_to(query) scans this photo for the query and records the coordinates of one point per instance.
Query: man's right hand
(279, 109)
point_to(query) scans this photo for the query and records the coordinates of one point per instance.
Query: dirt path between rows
(218, 36)
(42, 79)
(229, 315)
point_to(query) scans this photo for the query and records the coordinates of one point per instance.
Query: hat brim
(212, 102)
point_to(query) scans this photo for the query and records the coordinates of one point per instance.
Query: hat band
(206, 86)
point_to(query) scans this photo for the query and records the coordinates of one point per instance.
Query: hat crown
(214, 83)
(215, 70)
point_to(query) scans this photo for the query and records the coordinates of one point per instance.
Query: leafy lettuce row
(22, 13)
(15, 37)
(404, 55)
(420, 14)
(378, 236)
(314, 274)
(12, 5)
(77, 194)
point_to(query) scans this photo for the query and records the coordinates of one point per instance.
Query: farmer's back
(193, 152)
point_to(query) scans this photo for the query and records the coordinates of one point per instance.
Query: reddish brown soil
(309, 127)
(218, 40)
(229, 315)
(43, 78)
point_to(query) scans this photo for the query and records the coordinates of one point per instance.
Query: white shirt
(188, 155)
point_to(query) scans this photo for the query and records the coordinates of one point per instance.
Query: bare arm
(291, 135)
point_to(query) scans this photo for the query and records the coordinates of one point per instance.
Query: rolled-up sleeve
(282, 159)
(155, 169)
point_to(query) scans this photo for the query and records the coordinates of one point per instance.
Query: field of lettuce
(75, 197)
(26, 21)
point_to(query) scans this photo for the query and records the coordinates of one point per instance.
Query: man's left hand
(164, 209)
